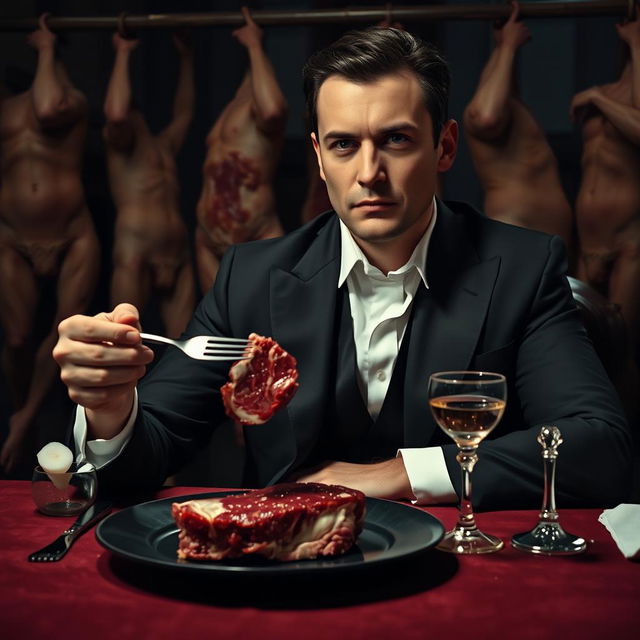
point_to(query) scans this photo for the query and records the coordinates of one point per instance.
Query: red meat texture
(260, 385)
(289, 521)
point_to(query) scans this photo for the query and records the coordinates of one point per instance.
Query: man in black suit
(370, 301)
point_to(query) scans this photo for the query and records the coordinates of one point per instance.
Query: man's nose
(370, 166)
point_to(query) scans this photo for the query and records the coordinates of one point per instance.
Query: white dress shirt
(100, 452)
(380, 309)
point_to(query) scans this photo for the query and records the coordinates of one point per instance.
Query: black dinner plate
(147, 533)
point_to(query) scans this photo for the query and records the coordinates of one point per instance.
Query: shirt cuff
(101, 452)
(428, 475)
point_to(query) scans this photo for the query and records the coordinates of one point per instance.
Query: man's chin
(376, 231)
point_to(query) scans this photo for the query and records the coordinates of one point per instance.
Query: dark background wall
(564, 56)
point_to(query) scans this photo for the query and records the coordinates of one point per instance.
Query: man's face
(376, 154)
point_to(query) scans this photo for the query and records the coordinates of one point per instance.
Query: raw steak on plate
(290, 521)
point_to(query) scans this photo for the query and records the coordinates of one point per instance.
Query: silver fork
(59, 547)
(207, 347)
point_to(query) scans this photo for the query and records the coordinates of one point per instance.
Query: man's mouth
(373, 204)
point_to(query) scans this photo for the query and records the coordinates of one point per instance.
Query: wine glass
(467, 405)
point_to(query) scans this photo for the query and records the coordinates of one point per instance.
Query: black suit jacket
(498, 300)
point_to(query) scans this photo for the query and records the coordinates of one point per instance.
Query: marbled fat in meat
(291, 521)
(261, 385)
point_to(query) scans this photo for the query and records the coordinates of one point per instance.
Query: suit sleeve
(557, 380)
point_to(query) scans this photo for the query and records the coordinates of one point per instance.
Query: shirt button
(381, 375)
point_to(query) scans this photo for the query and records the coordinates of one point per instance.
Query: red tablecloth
(91, 594)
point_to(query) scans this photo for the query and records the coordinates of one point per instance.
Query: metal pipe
(369, 15)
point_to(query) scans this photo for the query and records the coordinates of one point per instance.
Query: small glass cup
(64, 494)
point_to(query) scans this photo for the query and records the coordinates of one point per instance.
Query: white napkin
(623, 523)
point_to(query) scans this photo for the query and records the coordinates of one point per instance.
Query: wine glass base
(549, 539)
(469, 541)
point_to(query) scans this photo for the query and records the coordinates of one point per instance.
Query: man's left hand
(386, 479)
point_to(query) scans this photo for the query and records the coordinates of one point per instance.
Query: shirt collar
(351, 254)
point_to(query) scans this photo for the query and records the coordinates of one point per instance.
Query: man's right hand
(101, 359)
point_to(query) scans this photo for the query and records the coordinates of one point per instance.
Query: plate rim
(281, 568)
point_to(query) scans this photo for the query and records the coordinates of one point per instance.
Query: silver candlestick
(548, 537)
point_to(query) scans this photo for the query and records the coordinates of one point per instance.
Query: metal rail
(369, 15)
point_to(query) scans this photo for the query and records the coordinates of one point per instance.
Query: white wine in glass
(467, 405)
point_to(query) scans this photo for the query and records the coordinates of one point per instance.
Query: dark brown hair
(365, 55)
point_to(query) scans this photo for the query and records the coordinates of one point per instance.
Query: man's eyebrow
(399, 126)
(345, 135)
(337, 135)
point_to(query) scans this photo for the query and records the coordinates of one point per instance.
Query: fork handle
(98, 510)
(149, 337)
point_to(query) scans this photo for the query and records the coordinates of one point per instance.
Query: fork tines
(218, 340)
(44, 557)
(231, 347)
(229, 353)
(50, 553)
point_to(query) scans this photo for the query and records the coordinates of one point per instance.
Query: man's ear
(316, 148)
(447, 145)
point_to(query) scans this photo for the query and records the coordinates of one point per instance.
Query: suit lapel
(447, 318)
(303, 305)
(446, 323)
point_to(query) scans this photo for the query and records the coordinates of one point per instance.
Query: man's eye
(343, 144)
(397, 138)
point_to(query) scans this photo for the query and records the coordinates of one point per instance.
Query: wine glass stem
(467, 458)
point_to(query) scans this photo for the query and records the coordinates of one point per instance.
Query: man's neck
(393, 254)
